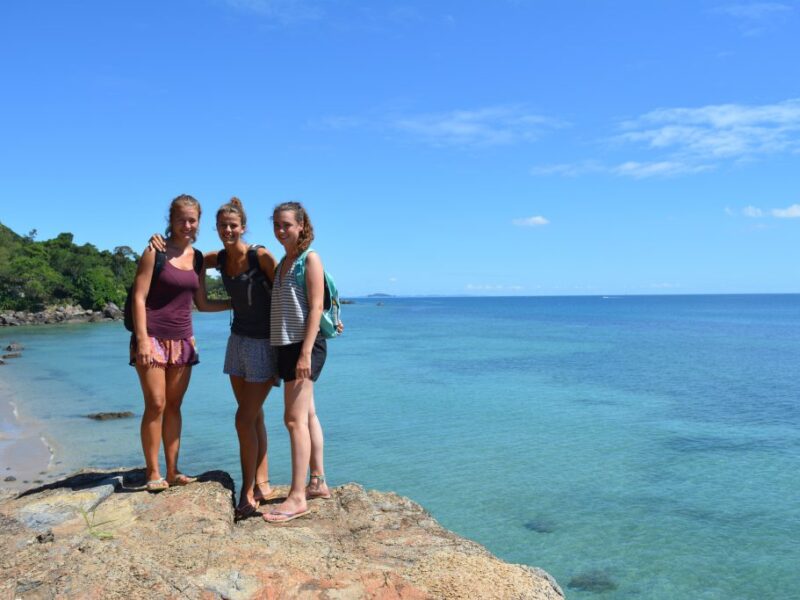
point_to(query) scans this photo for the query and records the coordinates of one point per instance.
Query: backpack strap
(198, 261)
(221, 258)
(158, 266)
(252, 257)
(300, 269)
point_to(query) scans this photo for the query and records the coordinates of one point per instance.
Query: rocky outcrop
(97, 534)
(107, 416)
(61, 314)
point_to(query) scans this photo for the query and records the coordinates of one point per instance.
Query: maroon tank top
(169, 303)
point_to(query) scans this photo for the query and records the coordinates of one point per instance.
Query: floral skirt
(168, 353)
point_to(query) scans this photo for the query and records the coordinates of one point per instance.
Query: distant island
(380, 295)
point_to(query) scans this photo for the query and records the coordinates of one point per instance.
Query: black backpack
(161, 260)
(254, 274)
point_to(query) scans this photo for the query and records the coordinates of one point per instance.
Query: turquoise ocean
(633, 447)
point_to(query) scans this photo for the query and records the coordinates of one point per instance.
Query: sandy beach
(26, 457)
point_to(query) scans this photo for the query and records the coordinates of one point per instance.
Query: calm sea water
(644, 447)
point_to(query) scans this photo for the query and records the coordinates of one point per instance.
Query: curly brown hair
(301, 216)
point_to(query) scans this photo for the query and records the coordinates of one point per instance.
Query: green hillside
(34, 274)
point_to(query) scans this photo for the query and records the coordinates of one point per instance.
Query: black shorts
(287, 359)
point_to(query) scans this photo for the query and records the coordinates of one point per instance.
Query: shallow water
(640, 447)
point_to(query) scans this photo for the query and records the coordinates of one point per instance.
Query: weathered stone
(183, 542)
(112, 311)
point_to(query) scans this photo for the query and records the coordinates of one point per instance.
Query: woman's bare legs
(297, 397)
(252, 435)
(163, 391)
(153, 382)
(316, 485)
(262, 489)
(177, 381)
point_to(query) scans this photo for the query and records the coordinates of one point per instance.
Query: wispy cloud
(791, 212)
(721, 131)
(537, 221)
(664, 168)
(755, 18)
(283, 11)
(753, 212)
(681, 141)
(490, 126)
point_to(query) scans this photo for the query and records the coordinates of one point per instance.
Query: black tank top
(251, 295)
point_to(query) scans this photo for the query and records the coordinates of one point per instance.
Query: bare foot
(262, 492)
(317, 488)
(290, 509)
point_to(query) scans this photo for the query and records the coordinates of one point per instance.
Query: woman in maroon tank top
(162, 345)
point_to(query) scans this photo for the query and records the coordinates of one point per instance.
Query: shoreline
(26, 454)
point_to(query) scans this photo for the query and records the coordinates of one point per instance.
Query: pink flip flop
(284, 517)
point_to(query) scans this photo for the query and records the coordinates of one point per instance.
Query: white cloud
(392, 279)
(752, 212)
(792, 212)
(664, 168)
(490, 126)
(721, 131)
(537, 221)
(683, 141)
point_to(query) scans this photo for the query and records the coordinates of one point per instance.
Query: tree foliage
(34, 274)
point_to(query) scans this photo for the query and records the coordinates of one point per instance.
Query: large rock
(96, 534)
(112, 311)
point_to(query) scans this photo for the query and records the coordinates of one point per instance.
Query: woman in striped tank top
(301, 350)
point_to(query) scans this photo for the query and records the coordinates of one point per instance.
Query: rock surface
(60, 314)
(97, 534)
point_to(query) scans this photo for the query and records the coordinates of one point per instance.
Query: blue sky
(451, 147)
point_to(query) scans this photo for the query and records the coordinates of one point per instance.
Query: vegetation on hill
(34, 275)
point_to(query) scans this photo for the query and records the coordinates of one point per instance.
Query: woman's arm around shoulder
(210, 259)
(201, 298)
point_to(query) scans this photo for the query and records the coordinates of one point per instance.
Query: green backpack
(331, 306)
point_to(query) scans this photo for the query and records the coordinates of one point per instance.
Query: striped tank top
(289, 309)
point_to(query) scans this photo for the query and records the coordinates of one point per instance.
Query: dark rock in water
(45, 537)
(346, 301)
(112, 311)
(12, 355)
(540, 526)
(2, 362)
(592, 581)
(15, 347)
(10, 478)
(105, 416)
